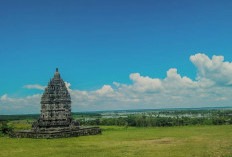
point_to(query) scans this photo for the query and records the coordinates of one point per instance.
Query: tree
(5, 128)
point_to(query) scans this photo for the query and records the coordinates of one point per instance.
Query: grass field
(184, 141)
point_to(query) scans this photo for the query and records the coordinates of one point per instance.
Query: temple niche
(55, 118)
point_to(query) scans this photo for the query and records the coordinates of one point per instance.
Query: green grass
(187, 141)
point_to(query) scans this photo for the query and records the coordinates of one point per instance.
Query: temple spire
(57, 74)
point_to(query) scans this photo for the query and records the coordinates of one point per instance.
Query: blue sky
(96, 43)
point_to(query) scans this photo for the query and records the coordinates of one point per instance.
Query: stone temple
(56, 119)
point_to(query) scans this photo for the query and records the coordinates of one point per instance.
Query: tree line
(146, 121)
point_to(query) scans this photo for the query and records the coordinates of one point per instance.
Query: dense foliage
(5, 127)
(143, 118)
(145, 121)
(18, 117)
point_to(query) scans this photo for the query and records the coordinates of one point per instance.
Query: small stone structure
(55, 120)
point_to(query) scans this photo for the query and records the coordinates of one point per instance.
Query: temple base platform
(81, 131)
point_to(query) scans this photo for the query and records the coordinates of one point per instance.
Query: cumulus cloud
(26, 105)
(215, 70)
(68, 85)
(4, 97)
(145, 84)
(211, 87)
(34, 86)
(116, 84)
(105, 90)
(174, 80)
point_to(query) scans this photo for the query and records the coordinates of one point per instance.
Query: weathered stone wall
(59, 134)
(55, 105)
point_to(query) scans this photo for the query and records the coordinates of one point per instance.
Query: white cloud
(4, 97)
(116, 84)
(34, 86)
(212, 87)
(145, 84)
(68, 85)
(29, 104)
(215, 70)
(174, 80)
(106, 89)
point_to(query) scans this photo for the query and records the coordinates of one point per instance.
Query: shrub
(5, 127)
